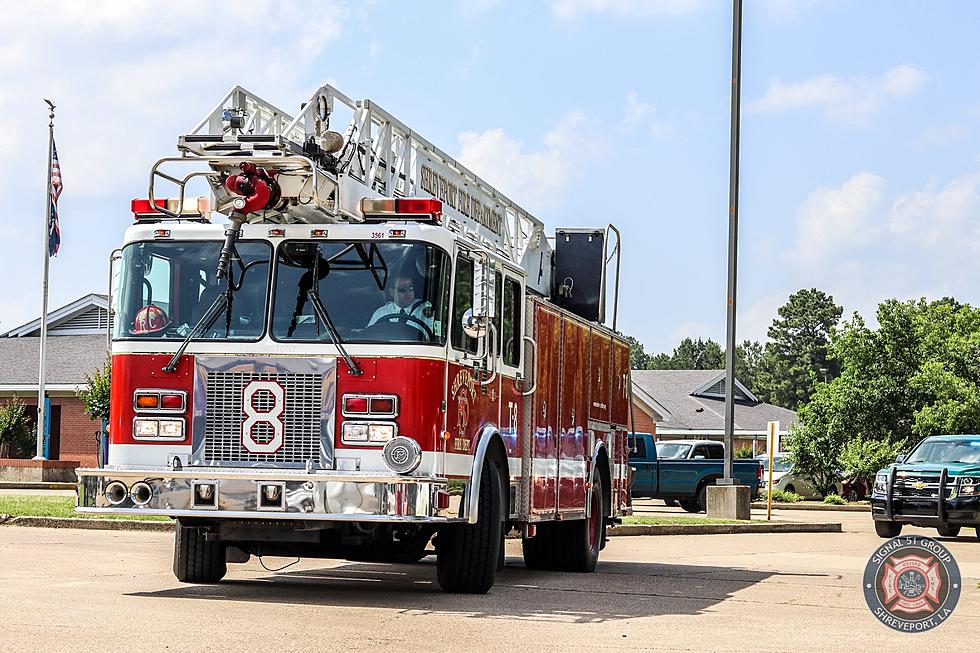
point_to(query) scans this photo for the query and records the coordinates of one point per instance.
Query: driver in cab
(403, 302)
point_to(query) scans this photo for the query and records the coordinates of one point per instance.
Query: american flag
(54, 231)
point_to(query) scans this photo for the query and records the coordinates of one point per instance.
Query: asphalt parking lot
(83, 590)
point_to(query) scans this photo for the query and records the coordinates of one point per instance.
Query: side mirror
(473, 326)
(900, 458)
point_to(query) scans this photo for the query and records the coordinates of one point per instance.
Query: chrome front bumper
(237, 494)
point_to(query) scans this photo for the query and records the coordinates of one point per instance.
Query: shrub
(96, 395)
(782, 496)
(835, 499)
(16, 435)
(743, 452)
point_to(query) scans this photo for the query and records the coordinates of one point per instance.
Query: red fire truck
(375, 353)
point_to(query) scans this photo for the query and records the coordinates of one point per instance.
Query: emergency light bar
(414, 208)
(197, 208)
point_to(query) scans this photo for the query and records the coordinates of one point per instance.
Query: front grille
(225, 413)
(905, 487)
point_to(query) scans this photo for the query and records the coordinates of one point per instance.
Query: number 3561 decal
(272, 416)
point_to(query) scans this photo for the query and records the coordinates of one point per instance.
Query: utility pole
(729, 476)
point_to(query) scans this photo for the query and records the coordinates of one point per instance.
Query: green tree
(639, 359)
(16, 434)
(917, 374)
(96, 395)
(748, 362)
(796, 359)
(862, 457)
(698, 355)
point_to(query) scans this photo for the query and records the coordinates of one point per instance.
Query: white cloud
(640, 113)
(920, 243)
(832, 221)
(571, 9)
(943, 134)
(636, 112)
(128, 78)
(851, 99)
(945, 216)
(375, 48)
(535, 178)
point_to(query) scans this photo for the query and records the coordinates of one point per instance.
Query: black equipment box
(579, 280)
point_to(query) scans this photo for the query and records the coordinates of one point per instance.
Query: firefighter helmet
(149, 319)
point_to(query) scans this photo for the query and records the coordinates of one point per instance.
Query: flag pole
(41, 407)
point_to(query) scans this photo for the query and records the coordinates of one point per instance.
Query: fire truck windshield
(165, 287)
(373, 292)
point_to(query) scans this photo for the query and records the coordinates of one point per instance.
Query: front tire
(197, 560)
(948, 531)
(467, 554)
(888, 529)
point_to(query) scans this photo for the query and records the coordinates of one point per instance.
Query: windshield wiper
(313, 292)
(210, 315)
(321, 312)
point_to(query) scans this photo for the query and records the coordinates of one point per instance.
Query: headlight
(881, 484)
(380, 432)
(153, 428)
(368, 432)
(968, 485)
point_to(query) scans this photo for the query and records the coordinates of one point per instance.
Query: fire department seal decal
(912, 583)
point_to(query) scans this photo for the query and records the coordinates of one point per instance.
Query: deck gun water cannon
(256, 190)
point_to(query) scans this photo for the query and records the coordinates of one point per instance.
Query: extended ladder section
(323, 175)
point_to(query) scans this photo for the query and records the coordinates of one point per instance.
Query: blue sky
(860, 158)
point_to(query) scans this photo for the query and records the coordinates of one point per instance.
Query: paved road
(84, 590)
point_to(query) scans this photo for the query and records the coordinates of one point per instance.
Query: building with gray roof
(76, 348)
(690, 404)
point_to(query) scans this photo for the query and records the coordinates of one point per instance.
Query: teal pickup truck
(684, 480)
(936, 486)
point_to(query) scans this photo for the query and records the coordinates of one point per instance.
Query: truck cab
(937, 485)
(684, 476)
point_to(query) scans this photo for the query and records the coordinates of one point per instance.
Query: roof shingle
(673, 388)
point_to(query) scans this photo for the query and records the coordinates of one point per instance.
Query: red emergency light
(412, 208)
(194, 208)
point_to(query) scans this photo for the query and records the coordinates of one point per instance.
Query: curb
(89, 524)
(723, 529)
(761, 505)
(614, 531)
(36, 485)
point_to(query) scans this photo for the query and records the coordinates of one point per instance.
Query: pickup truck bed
(683, 481)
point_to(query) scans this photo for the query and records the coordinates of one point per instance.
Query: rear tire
(888, 529)
(467, 554)
(579, 541)
(948, 531)
(791, 488)
(197, 560)
(539, 551)
(690, 505)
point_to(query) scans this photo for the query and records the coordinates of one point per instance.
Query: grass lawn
(679, 520)
(27, 506)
